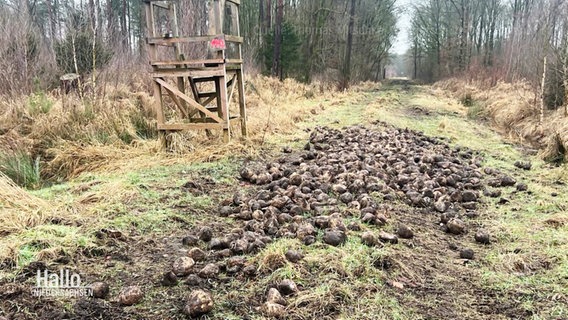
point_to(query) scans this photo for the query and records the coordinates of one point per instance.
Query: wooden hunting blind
(195, 77)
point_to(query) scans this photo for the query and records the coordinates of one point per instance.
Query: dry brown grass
(513, 111)
(117, 130)
(18, 208)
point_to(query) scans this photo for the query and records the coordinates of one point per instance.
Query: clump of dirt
(199, 186)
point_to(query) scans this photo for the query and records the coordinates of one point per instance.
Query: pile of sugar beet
(355, 174)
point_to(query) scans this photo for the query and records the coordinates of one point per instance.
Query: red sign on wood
(218, 43)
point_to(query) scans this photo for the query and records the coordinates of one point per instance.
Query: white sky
(401, 43)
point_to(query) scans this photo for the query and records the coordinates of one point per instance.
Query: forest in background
(494, 40)
(103, 40)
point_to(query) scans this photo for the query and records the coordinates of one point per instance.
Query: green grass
(341, 278)
(52, 241)
(39, 103)
(22, 168)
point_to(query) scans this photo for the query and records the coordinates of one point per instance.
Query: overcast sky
(402, 42)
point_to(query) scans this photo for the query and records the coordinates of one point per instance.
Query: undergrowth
(73, 133)
(22, 168)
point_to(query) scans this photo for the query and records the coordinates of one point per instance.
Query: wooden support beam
(232, 84)
(186, 62)
(207, 94)
(178, 103)
(234, 61)
(173, 40)
(162, 73)
(159, 106)
(160, 5)
(208, 100)
(233, 39)
(203, 79)
(242, 102)
(191, 102)
(224, 105)
(189, 126)
(204, 103)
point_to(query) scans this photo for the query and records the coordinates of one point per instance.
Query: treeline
(495, 40)
(344, 40)
(42, 39)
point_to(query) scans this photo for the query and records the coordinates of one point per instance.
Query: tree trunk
(51, 16)
(261, 20)
(565, 80)
(276, 59)
(268, 14)
(349, 48)
(542, 87)
(123, 26)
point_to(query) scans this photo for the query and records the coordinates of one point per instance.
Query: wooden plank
(160, 117)
(150, 28)
(219, 102)
(186, 62)
(192, 102)
(207, 94)
(189, 126)
(152, 21)
(232, 84)
(208, 120)
(204, 103)
(242, 102)
(160, 40)
(209, 100)
(233, 67)
(178, 103)
(220, 15)
(215, 19)
(161, 73)
(234, 39)
(204, 79)
(224, 107)
(234, 61)
(160, 5)
(240, 45)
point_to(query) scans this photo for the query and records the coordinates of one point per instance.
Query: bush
(21, 168)
(476, 111)
(144, 127)
(290, 61)
(39, 103)
(467, 100)
(66, 52)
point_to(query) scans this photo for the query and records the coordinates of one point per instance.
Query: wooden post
(565, 77)
(159, 112)
(178, 53)
(242, 103)
(542, 91)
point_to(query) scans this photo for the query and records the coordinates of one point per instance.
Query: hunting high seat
(181, 102)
